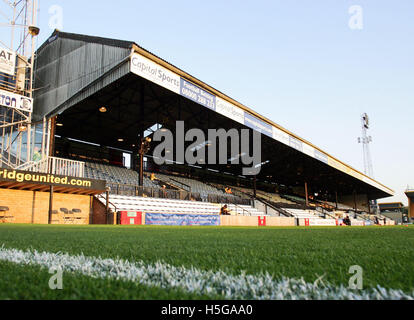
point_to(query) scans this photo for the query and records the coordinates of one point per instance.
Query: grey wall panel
(65, 67)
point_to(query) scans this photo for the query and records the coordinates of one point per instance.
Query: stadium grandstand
(98, 100)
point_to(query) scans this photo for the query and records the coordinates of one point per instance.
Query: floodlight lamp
(22, 128)
(34, 31)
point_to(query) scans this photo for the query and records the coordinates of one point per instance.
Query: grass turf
(32, 283)
(385, 253)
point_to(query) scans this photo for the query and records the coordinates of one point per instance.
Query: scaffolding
(20, 139)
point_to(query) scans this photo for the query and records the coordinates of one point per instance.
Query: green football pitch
(385, 254)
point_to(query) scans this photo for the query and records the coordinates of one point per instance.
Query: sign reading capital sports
(229, 110)
(7, 61)
(26, 177)
(155, 73)
(15, 101)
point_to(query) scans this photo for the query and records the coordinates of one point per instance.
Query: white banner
(357, 223)
(15, 101)
(280, 136)
(155, 73)
(229, 110)
(310, 151)
(7, 61)
(318, 222)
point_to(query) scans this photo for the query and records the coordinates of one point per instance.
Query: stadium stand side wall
(99, 215)
(32, 207)
(361, 201)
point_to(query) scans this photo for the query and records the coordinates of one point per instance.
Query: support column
(336, 200)
(306, 194)
(52, 137)
(107, 202)
(141, 169)
(50, 204)
(355, 202)
(255, 186)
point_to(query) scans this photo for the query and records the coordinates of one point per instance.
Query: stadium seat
(156, 205)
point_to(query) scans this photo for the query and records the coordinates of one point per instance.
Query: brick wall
(99, 212)
(33, 207)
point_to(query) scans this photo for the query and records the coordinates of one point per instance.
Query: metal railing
(214, 198)
(108, 204)
(274, 206)
(243, 211)
(58, 166)
(137, 191)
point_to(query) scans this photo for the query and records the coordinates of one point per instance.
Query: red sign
(130, 218)
(262, 221)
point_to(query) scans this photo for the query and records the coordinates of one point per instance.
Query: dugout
(41, 198)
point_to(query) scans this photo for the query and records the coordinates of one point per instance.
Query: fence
(57, 166)
(137, 191)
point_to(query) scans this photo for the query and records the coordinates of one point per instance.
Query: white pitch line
(192, 280)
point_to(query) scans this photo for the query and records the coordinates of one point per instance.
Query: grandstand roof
(391, 205)
(410, 194)
(76, 74)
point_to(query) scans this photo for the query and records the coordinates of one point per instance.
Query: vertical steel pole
(141, 169)
(50, 204)
(306, 194)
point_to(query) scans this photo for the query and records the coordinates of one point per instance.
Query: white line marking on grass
(192, 280)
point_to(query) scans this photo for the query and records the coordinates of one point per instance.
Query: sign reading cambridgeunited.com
(15, 101)
(181, 219)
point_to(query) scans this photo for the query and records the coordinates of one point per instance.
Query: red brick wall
(33, 207)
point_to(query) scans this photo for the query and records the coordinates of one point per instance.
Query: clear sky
(296, 62)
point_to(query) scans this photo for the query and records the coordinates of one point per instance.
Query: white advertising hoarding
(7, 61)
(280, 136)
(15, 101)
(229, 110)
(155, 73)
(310, 151)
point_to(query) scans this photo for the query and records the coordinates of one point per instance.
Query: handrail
(265, 202)
(243, 210)
(275, 207)
(100, 196)
(53, 165)
(185, 185)
(325, 212)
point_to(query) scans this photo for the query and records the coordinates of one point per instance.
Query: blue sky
(295, 62)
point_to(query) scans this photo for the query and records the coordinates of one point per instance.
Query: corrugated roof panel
(67, 65)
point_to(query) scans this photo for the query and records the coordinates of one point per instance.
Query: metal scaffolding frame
(18, 133)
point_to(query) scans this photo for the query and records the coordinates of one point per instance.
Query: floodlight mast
(365, 140)
(20, 17)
